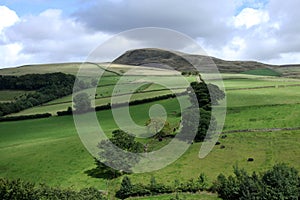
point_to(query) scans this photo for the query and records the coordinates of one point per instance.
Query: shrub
(280, 182)
(18, 189)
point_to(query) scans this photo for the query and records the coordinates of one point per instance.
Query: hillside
(158, 57)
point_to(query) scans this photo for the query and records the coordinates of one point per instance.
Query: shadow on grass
(103, 171)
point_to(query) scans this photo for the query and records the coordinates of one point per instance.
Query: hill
(161, 58)
(158, 58)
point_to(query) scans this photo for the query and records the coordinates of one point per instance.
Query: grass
(67, 68)
(262, 72)
(197, 196)
(250, 83)
(9, 95)
(106, 86)
(62, 160)
(263, 96)
(259, 117)
(266, 149)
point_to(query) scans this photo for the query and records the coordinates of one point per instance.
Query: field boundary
(262, 87)
(262, 130)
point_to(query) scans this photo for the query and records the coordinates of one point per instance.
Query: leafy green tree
(200, 127)
(82, 103)
(116, 158)
(204, 99)
(281, 182)
(154, 127)
(125, 189)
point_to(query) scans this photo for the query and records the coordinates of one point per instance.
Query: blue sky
(34, 7)
(43, 31)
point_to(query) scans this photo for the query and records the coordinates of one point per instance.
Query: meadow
(50, 151)
(9, 95)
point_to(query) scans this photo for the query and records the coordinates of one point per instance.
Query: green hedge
(24, 117)
(18, 189)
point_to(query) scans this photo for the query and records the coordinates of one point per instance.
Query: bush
(281, 182)
(18, 189)
(131, 190)
(24, 117)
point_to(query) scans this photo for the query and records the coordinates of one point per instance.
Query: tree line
(281, 182)
(41, 88)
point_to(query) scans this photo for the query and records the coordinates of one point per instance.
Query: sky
(51, 31)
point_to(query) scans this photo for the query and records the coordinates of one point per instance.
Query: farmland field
(9, 95)
(49, 150)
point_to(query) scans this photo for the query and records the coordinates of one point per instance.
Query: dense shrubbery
(128, 189)
(47, 88)
(17, 189)
(189, 73)
(279, 183)
(24, 117)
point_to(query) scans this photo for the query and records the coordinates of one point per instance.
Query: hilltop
(158, 58)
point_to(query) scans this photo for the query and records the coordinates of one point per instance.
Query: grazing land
(262, 122)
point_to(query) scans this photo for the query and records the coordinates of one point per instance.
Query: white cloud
(263, 30)
(47, 37)
(249, 17)
(7, 17)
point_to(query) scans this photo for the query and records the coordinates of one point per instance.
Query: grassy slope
(8, 95)
(262, 72)
(62, 160)
(104, 91)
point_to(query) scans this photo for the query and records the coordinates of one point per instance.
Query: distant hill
(158, 58)
(162, 58)
(176, 60)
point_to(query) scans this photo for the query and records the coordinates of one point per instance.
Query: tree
(198, 121)
(126, 142)
(158, 127)
(205, 100)
(125, 189)
(281, 182)
(115, 158)
(82, 103)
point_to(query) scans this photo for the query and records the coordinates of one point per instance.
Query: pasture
(49, 150)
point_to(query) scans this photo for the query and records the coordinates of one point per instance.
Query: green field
(9, 95)
(130, 88)
(262, 72)
(49, 150)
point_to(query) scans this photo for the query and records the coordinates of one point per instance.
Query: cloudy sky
(44, 31)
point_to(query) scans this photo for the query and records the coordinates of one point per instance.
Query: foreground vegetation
(18, 189)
